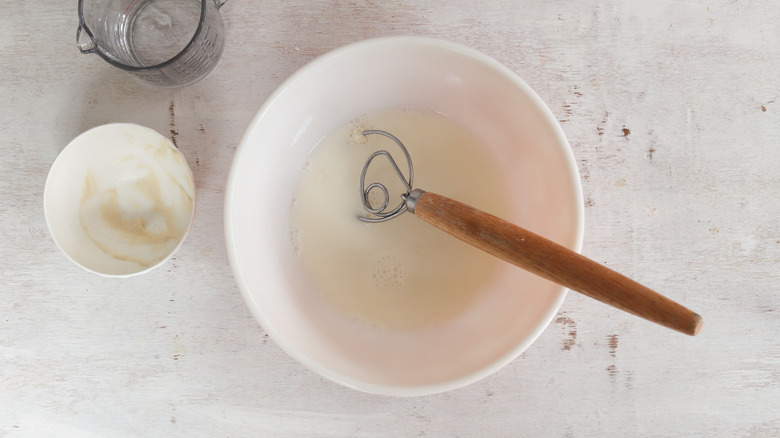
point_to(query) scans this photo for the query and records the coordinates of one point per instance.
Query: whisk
(521, 247)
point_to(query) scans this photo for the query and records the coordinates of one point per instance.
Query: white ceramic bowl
(375, 75)
(119, 199)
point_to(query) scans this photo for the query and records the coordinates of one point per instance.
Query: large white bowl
(375, 75)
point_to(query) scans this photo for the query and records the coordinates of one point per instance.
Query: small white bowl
(119, 200)
(376, 75)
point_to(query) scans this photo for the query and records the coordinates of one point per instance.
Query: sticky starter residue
(136, 209)
(402, 274)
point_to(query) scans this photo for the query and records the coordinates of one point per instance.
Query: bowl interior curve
(395, 73)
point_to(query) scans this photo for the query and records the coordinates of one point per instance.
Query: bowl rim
(48, 214)
(311, 68)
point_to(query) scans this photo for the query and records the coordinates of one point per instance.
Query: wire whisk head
(382, 213)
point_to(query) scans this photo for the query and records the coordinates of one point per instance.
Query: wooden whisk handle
(550, 260)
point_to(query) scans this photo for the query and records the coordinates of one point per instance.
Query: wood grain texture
(672, 110)
(552, 261)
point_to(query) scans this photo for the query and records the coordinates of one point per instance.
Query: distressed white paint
(687, 203)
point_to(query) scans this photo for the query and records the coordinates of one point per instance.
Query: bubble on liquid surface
(389, 272)
(295, 239)
(356, 134)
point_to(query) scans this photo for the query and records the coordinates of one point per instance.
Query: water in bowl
(402, 274)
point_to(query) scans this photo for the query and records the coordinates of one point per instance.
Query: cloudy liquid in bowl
(402, 274)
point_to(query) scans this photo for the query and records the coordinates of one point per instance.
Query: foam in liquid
(404, 273)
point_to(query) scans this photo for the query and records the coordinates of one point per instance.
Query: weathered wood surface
(672, 112)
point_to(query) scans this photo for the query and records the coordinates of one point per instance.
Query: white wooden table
(673, 113)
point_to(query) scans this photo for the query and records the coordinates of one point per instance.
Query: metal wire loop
(381, 213)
